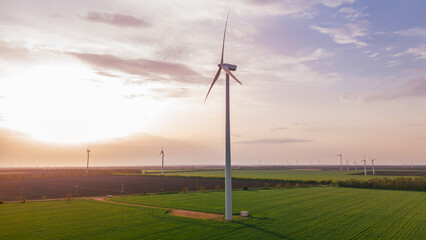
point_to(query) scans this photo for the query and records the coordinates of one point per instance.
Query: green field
(280, 174)
(295, 213)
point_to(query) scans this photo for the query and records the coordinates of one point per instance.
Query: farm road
(173, 212)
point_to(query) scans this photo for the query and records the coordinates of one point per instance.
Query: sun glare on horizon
(60, 104)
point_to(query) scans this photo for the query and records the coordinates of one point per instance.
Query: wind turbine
(372, 164)
(162, 160)
(341, 163)
(88, 154)
(228, 179)
(355, 165)
(347, 165)
(365, 165)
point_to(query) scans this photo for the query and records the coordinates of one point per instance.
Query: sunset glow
(319, 77)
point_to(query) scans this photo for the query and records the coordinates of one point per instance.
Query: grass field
(312, 213)
(296, 213)
(281, 174)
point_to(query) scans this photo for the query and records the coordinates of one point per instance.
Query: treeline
(399, 183)
(294, 181)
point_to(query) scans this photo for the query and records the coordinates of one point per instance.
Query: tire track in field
(366, 230)
(325, 202)
(402, 230)
(347, 207)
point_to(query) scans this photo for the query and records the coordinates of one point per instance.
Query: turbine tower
(88, 154)
(355, 165)
(162, 160)
(372, 164)
(341, 163)
(365, 166)
(347, 165)
(228, 179)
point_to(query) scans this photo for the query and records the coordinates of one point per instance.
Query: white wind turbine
(88, 154)
(365, 165)
(347, 165)
(355, 165)
(372, 164)
(341, 163)
(228, 178)
(162, 160)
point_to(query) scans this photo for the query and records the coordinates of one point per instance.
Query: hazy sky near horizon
(320, 77)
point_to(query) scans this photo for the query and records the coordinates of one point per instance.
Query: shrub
(218, 187)
(266, 186)
(68, 196)
(23, 200)
(1, 201)
(202, 189)
(278, 186)
(287, 185)
(185, 189)
(400, 183)
(298, 185)
(244, 188)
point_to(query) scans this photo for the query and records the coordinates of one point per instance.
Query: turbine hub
(231, 67)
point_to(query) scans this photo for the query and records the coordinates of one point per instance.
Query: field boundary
(171, 211)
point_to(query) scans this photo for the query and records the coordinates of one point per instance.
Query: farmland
(80, 186)
(298, 174)
(295, 213)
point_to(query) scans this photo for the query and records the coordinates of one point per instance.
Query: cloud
(172, 92)
(393, 63)
(157, 70)
(106, 74)
(278, 128)
(414, 87)
(295, 8)
(420, 52)
(14, 53)
(131, 96)
(274, 140)
(116, 19)
(413, 32)
(350, 13)
(348, 34)
(373, 55)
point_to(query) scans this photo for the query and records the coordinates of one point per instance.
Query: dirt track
(88, 186)
(173, 212)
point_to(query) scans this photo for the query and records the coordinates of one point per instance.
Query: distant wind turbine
(365, 165)
(88, 155)
(355, 165)
(347, 165)
(228, 179)
(162, 160)
(372, 164)
(341, 163)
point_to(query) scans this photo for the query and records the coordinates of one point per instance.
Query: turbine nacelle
(231, 67)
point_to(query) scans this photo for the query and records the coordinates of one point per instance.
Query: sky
(319, 77)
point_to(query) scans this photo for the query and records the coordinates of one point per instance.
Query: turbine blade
(214, 81)
(226, 69)
(224, 33)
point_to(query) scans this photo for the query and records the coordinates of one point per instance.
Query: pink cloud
(13, 53)
(274, 140)
(141, 67)
(414, 87)
(116, 19)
